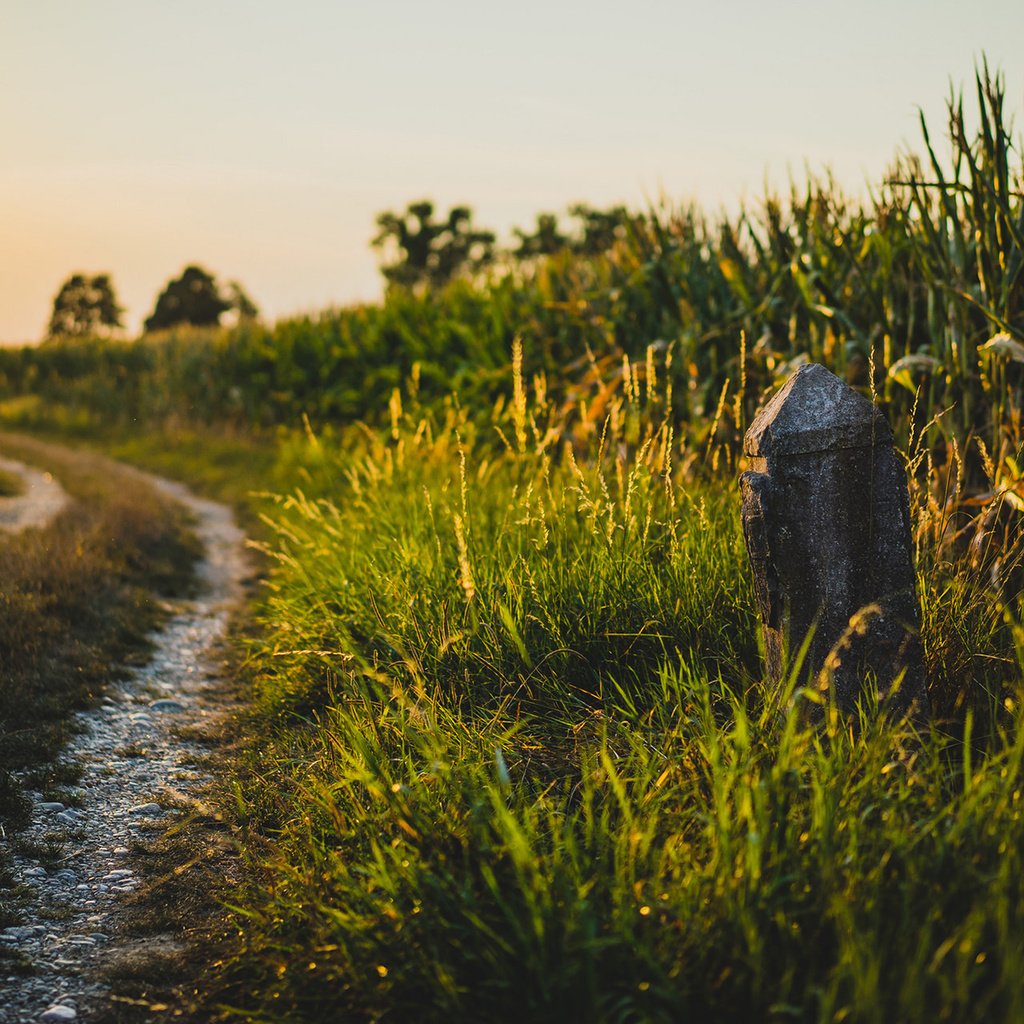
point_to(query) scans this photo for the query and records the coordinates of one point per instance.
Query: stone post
(827, 523)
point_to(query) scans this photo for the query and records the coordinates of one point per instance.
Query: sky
(261, 139)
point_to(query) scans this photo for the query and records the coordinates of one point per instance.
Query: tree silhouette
(429, 252)
(547, 239)
(601, 228)
(238, 300)
(85, 306)
(196, 299)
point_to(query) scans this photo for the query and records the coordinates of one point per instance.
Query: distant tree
(195, 298)
(600, 229)
(85, 306)
(431, 252)
(239, 301)
(547, 239)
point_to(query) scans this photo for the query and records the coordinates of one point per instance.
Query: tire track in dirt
(142, 757)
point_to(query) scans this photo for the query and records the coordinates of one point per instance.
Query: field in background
(513, 757)
(918, 289)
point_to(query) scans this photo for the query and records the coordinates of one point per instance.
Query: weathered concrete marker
(827, 524)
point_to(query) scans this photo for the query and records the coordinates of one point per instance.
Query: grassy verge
(230, 466)
(515, 762)
(511, 756)
(75, 599)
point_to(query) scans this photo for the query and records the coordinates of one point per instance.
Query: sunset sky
(260, 139)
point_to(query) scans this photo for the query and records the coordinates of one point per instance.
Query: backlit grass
(515, 761)
(511, 756)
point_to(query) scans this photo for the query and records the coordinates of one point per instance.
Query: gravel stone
(165, 704)
(58, 1013)
(149, 808)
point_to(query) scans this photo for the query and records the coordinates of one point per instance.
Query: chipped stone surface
(827, 524)
(814, 411)
(131, 761)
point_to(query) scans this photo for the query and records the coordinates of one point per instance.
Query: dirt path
(41, 500)
(143, 758)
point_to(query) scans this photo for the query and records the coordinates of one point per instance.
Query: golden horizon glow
(261, 142)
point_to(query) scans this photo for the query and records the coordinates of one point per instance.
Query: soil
(88, 865)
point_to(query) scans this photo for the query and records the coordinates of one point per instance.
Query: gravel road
(41, 500)
(142, 760)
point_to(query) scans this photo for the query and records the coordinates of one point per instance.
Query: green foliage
(545, 240)
(195, 299)
(85, 307)
(921, 283)
(515, 761)
(600, 229)
(428, 252)
(598, 232)
(968, 245)
(238, 300)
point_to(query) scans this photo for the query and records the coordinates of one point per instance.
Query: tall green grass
(512, 755)
(516, 760)
(683, 870)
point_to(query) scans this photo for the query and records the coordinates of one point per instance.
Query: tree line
(424, 251)
(86, 305)
(420, 250)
